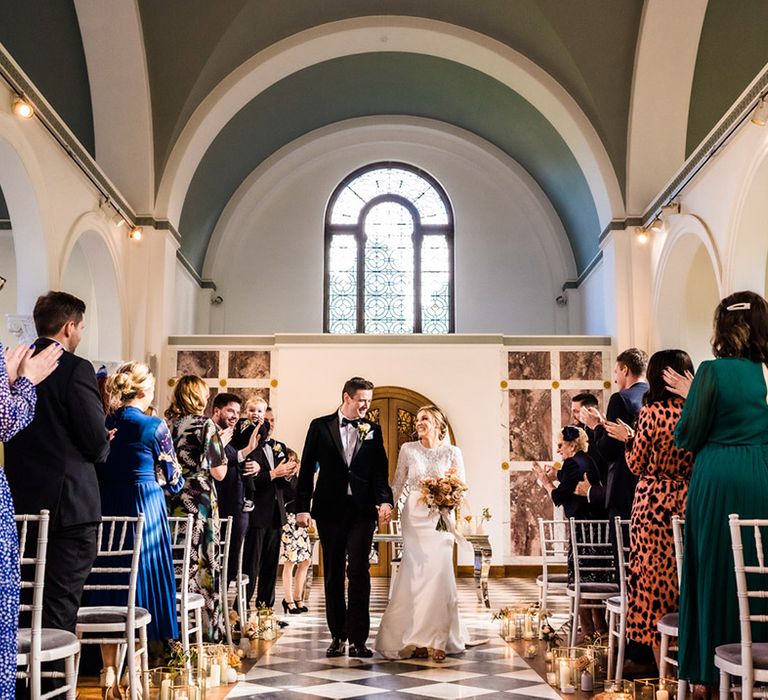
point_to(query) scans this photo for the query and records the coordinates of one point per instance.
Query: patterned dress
(294, 539)
(17, 409)
(198, 448)
(664, 472)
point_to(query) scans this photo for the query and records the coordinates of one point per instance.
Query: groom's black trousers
(347, 544)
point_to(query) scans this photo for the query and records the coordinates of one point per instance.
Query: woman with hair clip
(725, 425)
(141, 464)
(422, 617)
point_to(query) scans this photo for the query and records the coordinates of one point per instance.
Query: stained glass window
(389, 254)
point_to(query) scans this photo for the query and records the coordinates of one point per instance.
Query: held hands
(20, 363)
(385, 513)
(582, 488)
(677, 383)
(619, 430)
(303, 519)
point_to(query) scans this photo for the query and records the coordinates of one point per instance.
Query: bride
(423, 612)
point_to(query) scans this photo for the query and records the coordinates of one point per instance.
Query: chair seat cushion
(669, 624)
(615, 601)
(732, 654)
(552, 579)
(51, 639)
(110, 615)
(589, 587)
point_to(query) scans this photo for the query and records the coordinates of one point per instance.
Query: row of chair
(115, 569)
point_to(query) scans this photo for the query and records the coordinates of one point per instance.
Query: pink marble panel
(566, 396)
(246, 393)
(203, 363)
(249, 364)
(530, 424)
(527, 503)
(581, 364)
(529, 365)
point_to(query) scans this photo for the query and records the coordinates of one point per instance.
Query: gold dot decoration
(503, 383)
(556, 466)
(555, 384)
(172, 381)
(222, 382)
(606, 385)
(273, 383)
(505, 466)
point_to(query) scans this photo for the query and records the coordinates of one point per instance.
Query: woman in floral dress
(200, 454)
(19, 373)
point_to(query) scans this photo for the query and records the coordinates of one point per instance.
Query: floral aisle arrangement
(517, 622)
(442, 494)
(261, 624)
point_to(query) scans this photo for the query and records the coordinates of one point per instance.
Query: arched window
(389, 253)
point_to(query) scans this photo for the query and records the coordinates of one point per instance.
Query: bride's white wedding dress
(424, 608)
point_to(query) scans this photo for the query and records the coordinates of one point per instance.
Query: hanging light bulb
(136, 233)
(760, 115)
(642, 235)
(21, 108)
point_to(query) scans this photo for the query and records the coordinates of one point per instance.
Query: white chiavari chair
(668, 625)
(617, 605)
(189, 604)
(554, 536)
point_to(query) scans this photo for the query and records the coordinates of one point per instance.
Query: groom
(351, 487)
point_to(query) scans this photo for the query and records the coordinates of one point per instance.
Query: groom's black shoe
(360, 651)
(336, 648)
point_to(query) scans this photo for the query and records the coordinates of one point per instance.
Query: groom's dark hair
(352, 386)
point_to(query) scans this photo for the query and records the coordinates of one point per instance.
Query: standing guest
(725, 424)
(296, 554)
(262, 542)
(19, 373)
(663, 472)
(200, 453)
(50, 464)
(141, 463)
(583, 403)
(573, 447)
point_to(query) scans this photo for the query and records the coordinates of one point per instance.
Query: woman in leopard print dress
(664, 472)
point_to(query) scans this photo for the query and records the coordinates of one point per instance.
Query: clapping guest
(296, 554)
(141, 463)
(663, 472)
(725, 424)
(573, 447)
(19, 373)
(200, 453)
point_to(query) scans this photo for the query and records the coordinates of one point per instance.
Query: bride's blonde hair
(439, 417)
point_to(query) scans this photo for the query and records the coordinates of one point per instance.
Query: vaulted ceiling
(191, 47)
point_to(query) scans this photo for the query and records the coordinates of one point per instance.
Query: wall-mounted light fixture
(136, 233)
(642, 235)
(760, 115)
(21, 108)
(657, 225)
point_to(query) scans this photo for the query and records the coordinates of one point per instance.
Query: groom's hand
(385, 513)
(303, 519)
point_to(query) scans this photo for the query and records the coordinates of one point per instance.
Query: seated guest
(201, 455)
(141, 463)
(295, 553)
(577, 465)
(663, 472)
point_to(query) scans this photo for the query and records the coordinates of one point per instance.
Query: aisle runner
(296, 666)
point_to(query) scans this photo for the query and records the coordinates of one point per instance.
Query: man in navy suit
(351, 491)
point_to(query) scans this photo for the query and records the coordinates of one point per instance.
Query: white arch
(90, 270)
(687, 287)
(120, 95)
(665, 61)
(405, 34)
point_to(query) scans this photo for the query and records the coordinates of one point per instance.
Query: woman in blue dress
(141, 464)
(19, 373)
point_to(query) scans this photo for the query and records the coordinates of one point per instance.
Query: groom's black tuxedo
(344, 507)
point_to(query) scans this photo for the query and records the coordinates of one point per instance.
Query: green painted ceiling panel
(388, 84)
(732, 50)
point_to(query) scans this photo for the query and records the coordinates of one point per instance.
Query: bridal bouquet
(442, 494)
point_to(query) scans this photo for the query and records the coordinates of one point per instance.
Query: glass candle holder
(655, 688)
(617, 690)
(171, 683)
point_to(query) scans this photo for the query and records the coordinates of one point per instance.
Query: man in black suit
(266, 520)
(351, 487)
(50, 463)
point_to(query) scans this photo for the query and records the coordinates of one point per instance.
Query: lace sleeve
(401, 473)
(457, 462)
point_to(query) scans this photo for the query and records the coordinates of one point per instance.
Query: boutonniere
(363, 429)
(277, 448)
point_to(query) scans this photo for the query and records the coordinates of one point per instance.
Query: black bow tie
(346, 421)
(269, 441)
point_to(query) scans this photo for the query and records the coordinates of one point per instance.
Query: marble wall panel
(529, 365)
(246, 393)
(581, 364)
(566, 396)
(249, 364)
(530, 424)
(211, 396)
(203, 363)
(527, 503)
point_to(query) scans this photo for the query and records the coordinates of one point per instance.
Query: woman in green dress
(725, 424)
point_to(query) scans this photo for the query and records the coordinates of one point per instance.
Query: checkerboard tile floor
(296, 667)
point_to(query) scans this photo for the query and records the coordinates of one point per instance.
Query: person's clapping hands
(544, 475)
(282, 469)
(591, 417)
(677, 383)
(225, 435)
(582, 488)
(19, 362)
(251, 468)
(619, 430)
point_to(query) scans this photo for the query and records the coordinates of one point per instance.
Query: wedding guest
(201, 455)
(141, 464)
(573, 447)
(725, 424)
(583, 403)
(49, 464)
(295, 555)
(663, 472)
(19, 373)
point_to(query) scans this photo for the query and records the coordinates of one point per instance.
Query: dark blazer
(570, 474)
(229, 491)
(618, 492)
(49, 464)
(268, 501)
(366, 475)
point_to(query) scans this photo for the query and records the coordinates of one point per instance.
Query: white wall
(511, 253)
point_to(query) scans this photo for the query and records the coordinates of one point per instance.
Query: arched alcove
(89, 273)
(687, 291)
